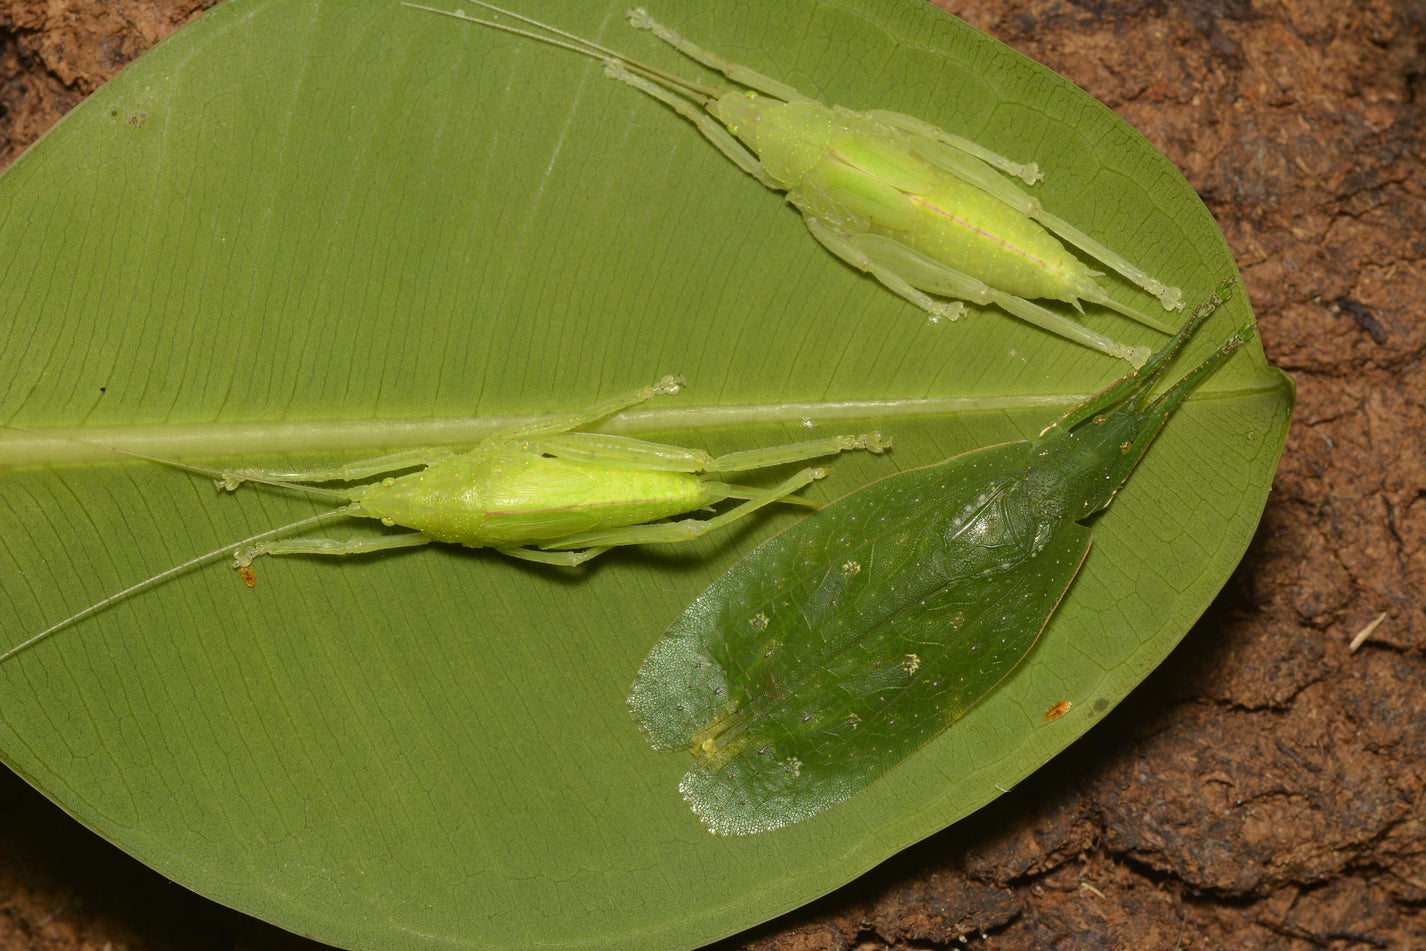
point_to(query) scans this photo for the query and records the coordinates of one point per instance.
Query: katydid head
(1075, 472)
(742, 112)
(1079, 463)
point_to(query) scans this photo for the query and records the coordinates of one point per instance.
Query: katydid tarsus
(929, 214)
(540, 492)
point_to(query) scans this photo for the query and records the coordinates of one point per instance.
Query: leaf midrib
(275, 438)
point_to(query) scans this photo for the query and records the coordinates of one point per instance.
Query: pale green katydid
(539, 492)
(929, 214)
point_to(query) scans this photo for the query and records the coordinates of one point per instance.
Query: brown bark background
(1264, 789)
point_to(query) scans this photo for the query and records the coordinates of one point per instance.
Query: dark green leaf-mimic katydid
(842, 645)
(539, 492)
(929, 214)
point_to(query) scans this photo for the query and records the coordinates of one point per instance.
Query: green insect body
(842, 645)
(538, 492)
(929, 214)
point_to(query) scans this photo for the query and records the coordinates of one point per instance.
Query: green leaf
(300, 230)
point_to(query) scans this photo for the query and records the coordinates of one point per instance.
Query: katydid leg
(1027, 172)
(561, 559)
(624, 452)
(798, 452)
(639, 19)
(896, 264)
(688, 529)
(347, 472)
(843, 247)
(969, 166)
(564, 422)
(329, 546)
(1170, 297)
(713, 130)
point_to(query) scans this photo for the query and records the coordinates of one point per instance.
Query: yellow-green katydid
(929, 214)
(540, 492)
(842, 645)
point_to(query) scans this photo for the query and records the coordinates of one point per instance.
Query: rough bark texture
(1265, 789)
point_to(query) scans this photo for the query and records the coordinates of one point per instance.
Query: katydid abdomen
(525, 499)
(862, 177)
(1007, 252)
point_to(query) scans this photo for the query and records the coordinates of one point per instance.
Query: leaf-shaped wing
(842, 645)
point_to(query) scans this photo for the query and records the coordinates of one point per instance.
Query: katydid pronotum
(927, 213)
(540, 492)
(842, 645)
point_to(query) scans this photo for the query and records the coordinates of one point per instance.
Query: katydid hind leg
(736, 491)
(620, 452)
(971, 167)
(1170, 297)
(1142, 378)
(747, 459)
(850, 253)
(1046, 319)
(244, 556)
(910, 273)
(559, 559)
(686, 529)
(624, 452)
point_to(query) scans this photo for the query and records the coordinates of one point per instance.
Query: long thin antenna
(580, 45)
(176, 569)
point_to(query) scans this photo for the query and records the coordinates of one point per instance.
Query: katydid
(927, 213)
(842, 645)
(540, 492)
